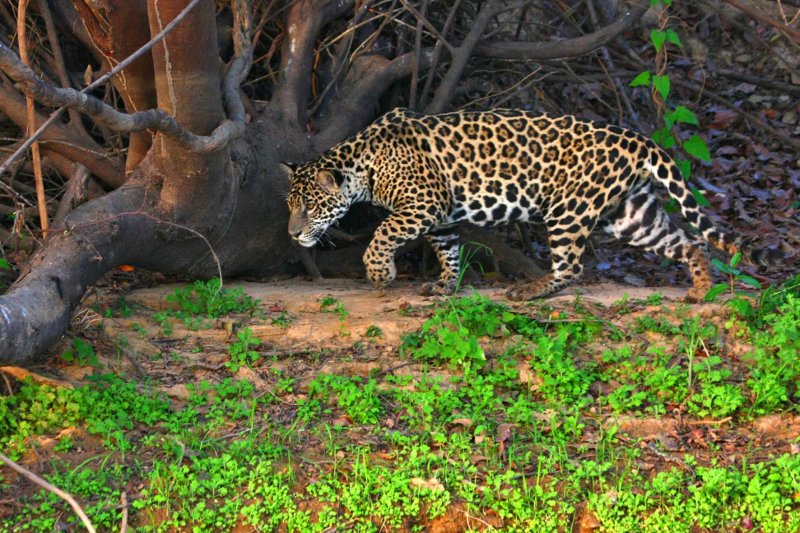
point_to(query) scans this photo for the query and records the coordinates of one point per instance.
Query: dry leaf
(431, 484)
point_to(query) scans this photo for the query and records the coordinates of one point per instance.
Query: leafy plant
(210, 299)
(660, 84)
(734, 275)
(241, 352)
(81, 354)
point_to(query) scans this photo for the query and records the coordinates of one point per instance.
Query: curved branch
(100, 81)
(106, 115)
(60, 139)
(565, 47)
(304, 21)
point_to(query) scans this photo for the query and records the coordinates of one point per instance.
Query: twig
(123, 527)
(58, 56)
(444, 94)
(437, 50)
(55, 490)
(791, 34)
(425, 22)
(566, 47)
(36, 156)
(100, 81)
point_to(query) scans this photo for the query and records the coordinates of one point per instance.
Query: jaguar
(432, 172)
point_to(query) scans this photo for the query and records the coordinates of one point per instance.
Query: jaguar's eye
(311, 206)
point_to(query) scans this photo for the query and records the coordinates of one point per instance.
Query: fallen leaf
(431, 484)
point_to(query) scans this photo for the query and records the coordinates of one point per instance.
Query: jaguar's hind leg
(445, 245)
(566, 250)
(641, 222)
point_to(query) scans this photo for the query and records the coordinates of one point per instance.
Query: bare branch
(75, 193)
(445, 92)
(241, 62)
(60, 139)
(153, 118)
(106, 115)
(304, 21)
(55, 490)
(792, 35)
(425, 22)
(437, 50)
(41, 199)
(100, 81)
(566, 47)
(58, 56)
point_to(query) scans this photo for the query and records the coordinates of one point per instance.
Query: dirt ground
(301, 340)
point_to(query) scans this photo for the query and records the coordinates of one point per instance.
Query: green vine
(672, 115)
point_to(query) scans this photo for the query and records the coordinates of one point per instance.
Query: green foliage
(81, 354)
(451, 336)
(241, 352)
(209, 299)
(734, 274)
(665, 136)
(374, 332)
(356, 397)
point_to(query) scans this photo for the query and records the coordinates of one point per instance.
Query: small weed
(283, 320)
(329, 304)
(241, 352)
(208, 299)
(81, 354)
(734, 275)
(374, 332)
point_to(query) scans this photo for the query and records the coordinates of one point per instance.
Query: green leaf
(673, 38)
(642, 79)
(662, 83)
(699, 197)
(683, 114)
(659, 38)
(697, 147)
(4, 264)
(735, 259)
(715, 291)
(722, 267)
(749, 280)
(685, 166)
(664, 138)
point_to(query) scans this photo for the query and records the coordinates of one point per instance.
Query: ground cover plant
(643, 415)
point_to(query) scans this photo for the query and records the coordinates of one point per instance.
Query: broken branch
(52, 488)
(565, 47)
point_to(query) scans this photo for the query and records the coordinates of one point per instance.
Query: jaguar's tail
(664, 170)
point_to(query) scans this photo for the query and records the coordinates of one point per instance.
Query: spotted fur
(498, 167)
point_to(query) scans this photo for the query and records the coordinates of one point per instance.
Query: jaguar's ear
(327, 180)
(287, 168)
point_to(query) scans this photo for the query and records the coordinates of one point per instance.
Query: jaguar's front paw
(381, 276)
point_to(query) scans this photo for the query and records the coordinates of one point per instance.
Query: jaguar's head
(315, 201)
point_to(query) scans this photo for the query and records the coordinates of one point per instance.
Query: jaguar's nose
(295, 232)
